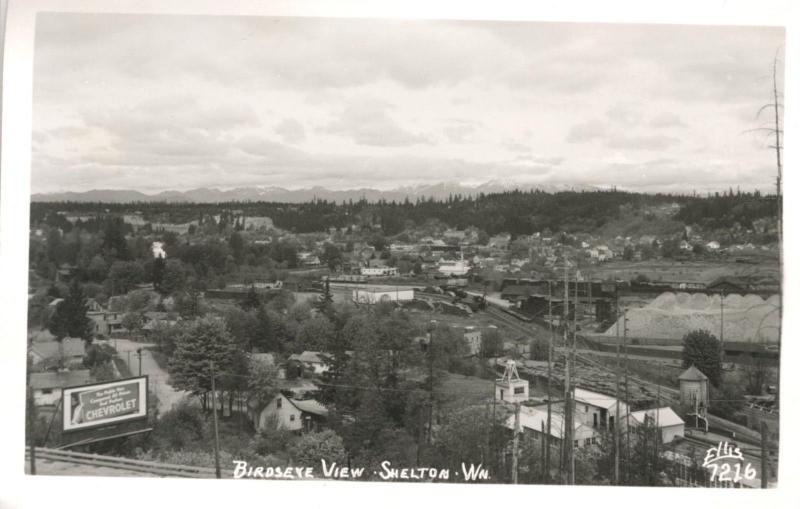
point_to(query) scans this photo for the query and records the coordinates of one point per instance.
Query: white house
(533, 422)
(500, 241)
(379, 271)
(374, 296)
(454, 268)
(670, 423)
(597, 410)
(308, 259)
(473, 338)
(47, 386)
(713, 245)
(68, 351)
(288, 413)
(311, 360)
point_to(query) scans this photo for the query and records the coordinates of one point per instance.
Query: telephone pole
(721, 326)
(515, 450)
(764, 473)
(549, 378)
(568, 426)
(627, 395)
(616, 371)
(31, 425)
(216, 425)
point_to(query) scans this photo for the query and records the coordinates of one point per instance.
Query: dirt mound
(671, 316)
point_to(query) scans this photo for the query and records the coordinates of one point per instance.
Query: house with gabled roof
(67, 351)
(284, 412)
(665, 419)
(533, 422)
(597, 410)
(47, 386)
(316, 362)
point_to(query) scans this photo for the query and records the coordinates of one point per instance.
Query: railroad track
(125, 464)
(529, 329)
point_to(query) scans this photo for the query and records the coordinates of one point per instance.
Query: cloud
(367, 122)
(612, 135)
(291, 131)
(655, 142)
(666, 119)
(158, 102)
(587, 131)
(625, 114)
(460, 131)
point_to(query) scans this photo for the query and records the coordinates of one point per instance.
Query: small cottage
(283, 412)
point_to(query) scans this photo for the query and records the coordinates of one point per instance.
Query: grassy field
(465, 390)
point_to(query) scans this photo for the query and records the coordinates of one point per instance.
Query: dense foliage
(516, 212)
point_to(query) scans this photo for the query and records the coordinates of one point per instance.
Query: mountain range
(279, 194)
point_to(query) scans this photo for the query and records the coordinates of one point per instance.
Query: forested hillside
(515, 212)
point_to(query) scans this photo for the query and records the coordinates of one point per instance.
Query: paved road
(159, 379)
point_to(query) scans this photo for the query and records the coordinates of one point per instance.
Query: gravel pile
(671, 315)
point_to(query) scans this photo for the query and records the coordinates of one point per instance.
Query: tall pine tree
(70, 318)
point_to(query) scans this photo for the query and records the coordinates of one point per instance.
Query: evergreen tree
(114, 239)
(265, 335)
(70, 318)
(159, 266)
(197, 344)
(703, 349)
(325, 302)
(251, 300)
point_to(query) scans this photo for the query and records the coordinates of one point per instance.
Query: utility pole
(545, 446)
(657, 432)
(139, 354)
(31, 426)
(627, 395)
(574, 354)
(616, 417)
(721, 327)
(430, 386)
(764, 473)
(546, 440)
(567, 452)
(515, 450)
(216, 425)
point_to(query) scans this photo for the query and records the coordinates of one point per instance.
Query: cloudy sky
(174, 102)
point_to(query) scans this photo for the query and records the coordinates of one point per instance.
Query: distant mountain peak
(438, 190)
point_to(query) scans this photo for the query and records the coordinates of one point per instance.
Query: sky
(167, 102)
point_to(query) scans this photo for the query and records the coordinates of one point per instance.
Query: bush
(309, 449)
(272, 439)
(181, 427)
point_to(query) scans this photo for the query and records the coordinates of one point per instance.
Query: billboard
(102, 404)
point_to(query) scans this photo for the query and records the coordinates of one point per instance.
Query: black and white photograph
(403, 250)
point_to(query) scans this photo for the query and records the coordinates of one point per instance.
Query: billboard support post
(50, 426)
